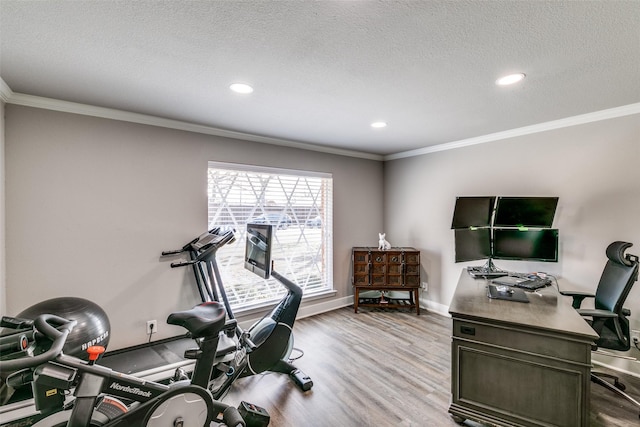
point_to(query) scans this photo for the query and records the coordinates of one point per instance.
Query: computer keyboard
(533, 284)
(482, 273)
(528, 283)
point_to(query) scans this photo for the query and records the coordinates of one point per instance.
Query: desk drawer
(538, 342)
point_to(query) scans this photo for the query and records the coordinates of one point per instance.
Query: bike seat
(203, 320)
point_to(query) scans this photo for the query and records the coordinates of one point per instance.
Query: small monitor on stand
(258, 249)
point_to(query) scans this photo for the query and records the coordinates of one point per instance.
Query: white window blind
(297, 203)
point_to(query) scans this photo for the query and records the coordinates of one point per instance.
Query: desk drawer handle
(468, 330)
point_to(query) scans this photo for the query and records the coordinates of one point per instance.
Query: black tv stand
(487, 271)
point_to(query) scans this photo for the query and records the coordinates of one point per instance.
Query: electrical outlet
(152, 327)
(635, 336)
(425, 286)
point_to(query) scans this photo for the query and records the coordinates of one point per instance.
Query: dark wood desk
(518, 364)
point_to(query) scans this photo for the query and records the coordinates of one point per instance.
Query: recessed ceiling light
(241, 88)
(378, 125)
(510, 79)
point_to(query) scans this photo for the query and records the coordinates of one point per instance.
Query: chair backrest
(618, 277)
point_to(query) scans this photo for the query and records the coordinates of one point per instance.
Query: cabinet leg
(356, 297)
(417, 301)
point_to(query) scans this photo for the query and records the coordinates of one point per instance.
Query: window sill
(251, 310)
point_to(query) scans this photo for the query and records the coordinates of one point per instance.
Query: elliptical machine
(265, 346)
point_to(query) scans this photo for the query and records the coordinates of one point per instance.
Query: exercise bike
(107, 398)
(265, 346)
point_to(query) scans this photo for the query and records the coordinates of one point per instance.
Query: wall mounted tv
(473, 212)
(257, 258)
(527, 245)
(537, 212)
(472, 244)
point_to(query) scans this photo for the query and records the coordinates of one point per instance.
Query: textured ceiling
(324, 70)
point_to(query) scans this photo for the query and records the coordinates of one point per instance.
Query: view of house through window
(297, 203)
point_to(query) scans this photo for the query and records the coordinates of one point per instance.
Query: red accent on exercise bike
(94, 352)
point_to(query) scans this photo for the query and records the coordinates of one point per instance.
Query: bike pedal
(303, 380)
(253, 415)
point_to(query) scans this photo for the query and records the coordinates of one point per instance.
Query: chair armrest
(598, 318)
(577, 296)
(593, 312)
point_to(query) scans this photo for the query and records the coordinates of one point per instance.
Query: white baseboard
(324, 306)
(311, 309)
(435, 307)
(623, 365)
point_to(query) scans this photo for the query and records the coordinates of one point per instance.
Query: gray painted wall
(3, 276)
(593, 168)
(91, 203)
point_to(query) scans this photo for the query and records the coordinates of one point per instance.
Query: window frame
(300, 233)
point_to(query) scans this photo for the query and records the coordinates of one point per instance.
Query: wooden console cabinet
(396, 270)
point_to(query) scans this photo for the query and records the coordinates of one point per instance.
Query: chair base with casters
(608, 318)
(617, 387)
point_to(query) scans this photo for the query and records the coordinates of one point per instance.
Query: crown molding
(10, 97)
(5, 91)
(596, 116)
(126, 116)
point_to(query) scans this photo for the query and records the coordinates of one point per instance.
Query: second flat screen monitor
(530, 245)
(471, 245)
(472, 212)
(525, 211)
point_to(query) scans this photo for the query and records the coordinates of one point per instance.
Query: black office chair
(609, 318)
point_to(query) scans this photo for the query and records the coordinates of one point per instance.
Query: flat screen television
(473, 212)
(526, 245)
(258, 249)
(537, 212)
(472, 244)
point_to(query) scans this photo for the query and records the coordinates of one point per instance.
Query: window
(299, 204)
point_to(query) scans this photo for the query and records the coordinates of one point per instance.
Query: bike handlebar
(216, 237)
(43, 324)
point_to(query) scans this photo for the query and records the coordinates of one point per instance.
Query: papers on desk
(506, 293)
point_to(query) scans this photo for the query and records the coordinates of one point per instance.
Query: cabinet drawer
(412, 269)
(360, 279)
(378, 268)
(361, 257)
(394, 257)
(412, 281)
(395, 269)
(395, 280)
(378, 257)
(378, 279)
(412, 257)
(360, 268)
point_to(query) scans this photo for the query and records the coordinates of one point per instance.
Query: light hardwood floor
(382, 368)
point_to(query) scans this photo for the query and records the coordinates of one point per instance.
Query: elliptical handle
(176, 252)
(43, 324)
(182, 263)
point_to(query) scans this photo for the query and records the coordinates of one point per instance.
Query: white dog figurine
(383, 245)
